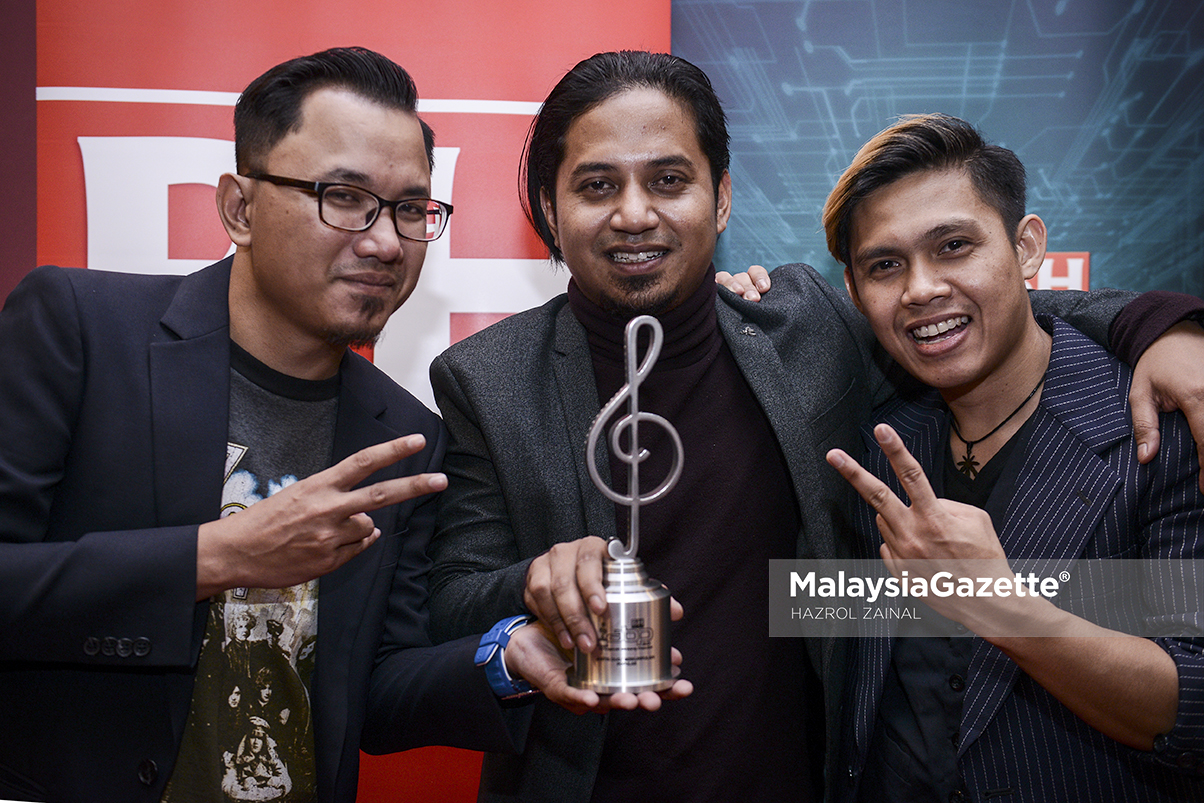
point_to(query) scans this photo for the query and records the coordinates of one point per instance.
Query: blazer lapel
(357, 427)
(343, 593)
(1064, 489)
(190, 398)
(577, 390)
(782, 400)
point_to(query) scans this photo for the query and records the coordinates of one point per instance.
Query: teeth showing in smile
(642, 256)
(934, 329)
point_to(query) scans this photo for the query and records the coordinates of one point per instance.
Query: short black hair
(925, 142)
(270, 107)
(594, 81)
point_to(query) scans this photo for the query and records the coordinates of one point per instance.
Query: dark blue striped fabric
(1080, 494)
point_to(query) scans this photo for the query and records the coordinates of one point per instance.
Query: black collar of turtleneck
(691, 330)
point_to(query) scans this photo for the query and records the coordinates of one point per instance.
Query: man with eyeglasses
(351, 208)
(213, 514)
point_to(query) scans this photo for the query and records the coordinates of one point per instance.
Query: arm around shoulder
(805, 314)
(1092, 313)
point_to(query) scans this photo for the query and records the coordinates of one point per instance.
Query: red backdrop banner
(465, 51)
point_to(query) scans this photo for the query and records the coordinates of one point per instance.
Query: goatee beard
(640, 298)
(364, 337)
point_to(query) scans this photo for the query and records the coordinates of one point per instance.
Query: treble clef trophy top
(633, 635)
(630, 423)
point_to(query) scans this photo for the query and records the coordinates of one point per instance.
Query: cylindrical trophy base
(633, 635)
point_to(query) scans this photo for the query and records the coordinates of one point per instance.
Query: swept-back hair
(595, 80)
(925, 142)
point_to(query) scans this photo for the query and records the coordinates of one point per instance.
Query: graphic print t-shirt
(250, 734)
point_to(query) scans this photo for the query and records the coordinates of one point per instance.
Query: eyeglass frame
(320, 187)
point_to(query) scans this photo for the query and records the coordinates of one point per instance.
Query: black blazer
(114, 396)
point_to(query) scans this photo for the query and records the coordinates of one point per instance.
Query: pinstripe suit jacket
(1080, 494)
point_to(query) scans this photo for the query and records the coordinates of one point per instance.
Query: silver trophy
(633, 635)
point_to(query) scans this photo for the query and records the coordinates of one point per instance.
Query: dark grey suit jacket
(518, 400)
(114, 396)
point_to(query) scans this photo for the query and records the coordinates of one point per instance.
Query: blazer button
(125, 647)
(142, 647)
(148, 771)
(1160, 743)
(91, 645)
(109, 646)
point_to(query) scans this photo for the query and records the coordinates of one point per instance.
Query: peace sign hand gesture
(931, 535)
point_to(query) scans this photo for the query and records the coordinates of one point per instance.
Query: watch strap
(491, 654)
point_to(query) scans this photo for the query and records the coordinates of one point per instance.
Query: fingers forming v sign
(309, 528)
(940, 533)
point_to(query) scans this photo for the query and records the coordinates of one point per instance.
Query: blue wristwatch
(491, 655)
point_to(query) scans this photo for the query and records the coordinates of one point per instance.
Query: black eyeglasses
(350, 208)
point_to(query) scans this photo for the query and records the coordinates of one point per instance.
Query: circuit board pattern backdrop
(1103, 101)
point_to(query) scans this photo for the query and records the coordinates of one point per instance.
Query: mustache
(368, 274)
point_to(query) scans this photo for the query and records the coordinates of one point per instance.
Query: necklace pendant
(968, 465)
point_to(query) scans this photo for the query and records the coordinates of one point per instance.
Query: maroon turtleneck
(742, 734)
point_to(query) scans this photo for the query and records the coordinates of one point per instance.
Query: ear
(1030, 245)
(233, 200)
(549, 214)
(723, 204)
(851, 287)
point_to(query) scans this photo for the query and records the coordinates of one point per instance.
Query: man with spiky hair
(1019, 450)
